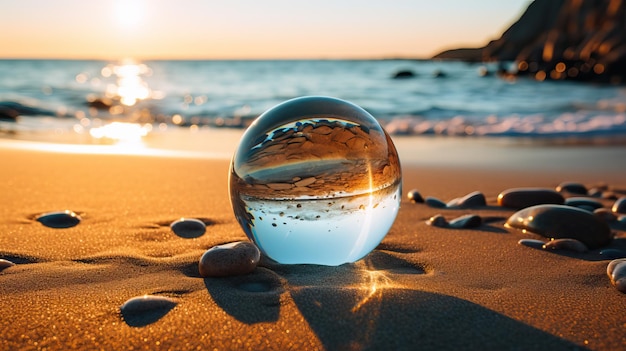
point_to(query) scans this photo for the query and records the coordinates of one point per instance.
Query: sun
(129, 13)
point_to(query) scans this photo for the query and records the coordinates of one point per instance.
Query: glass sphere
(315, 180)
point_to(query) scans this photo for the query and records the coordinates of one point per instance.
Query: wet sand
(424, 287)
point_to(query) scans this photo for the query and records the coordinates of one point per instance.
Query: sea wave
(80, 95)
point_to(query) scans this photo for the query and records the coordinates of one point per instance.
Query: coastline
(424, 286)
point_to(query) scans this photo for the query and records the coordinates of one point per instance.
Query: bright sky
(248, 29)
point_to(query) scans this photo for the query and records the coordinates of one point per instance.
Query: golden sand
(424, 287)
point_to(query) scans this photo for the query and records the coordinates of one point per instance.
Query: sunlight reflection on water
(130, 87)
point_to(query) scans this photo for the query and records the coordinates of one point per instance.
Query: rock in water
(402, 74)
(229, 259)
(579, 40)
(60, 219)
(518, 198)
(616, 270)
(558, 221)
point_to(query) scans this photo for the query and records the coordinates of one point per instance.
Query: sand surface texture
(424, 287)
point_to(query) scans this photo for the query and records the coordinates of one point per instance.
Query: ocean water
(443, 98)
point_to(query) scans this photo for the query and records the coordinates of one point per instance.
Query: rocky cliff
(562, 39)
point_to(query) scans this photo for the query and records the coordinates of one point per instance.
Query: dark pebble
(188, 227)
(403, 74)
(437, 221)
(60, 219)
(600, 186)
(572, 188)
(434, 202)
(605, 215)
(620, 205)
(5, 264)
(557, 222)
(565, 244)
(583, 202)
(586, 208)
(466, 221)
(534, 243)
(143, 310)
(518, 198)
(415, 196)
(595, 192)
(616, 270)
(611, 254)
(473, 199)
(224, 260)
(147, 303)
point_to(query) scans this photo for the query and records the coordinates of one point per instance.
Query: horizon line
(140, 59)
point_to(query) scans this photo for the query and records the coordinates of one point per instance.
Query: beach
(423, 287)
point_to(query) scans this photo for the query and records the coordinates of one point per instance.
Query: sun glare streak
(363, 236)
(375, 283)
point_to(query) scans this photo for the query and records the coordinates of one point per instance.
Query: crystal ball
(315, 180)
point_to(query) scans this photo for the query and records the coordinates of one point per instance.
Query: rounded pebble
(473, 199)
(611, 254)
(585, 207)
(558, 221)
(605, 215)
(437, 221)
(188, 227)
(583, 202)
(601, 186)
(146, 303)
(565, 244)
(534, 243)
(572, 187)
(595, 192)
(518, 198)
(414, 196)
(59, 219)
(620, 205)
(143, 310)
(5, 264)
(609, 195)
(466, 221)
(616, 270)
(234, 258)
(434, 202)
